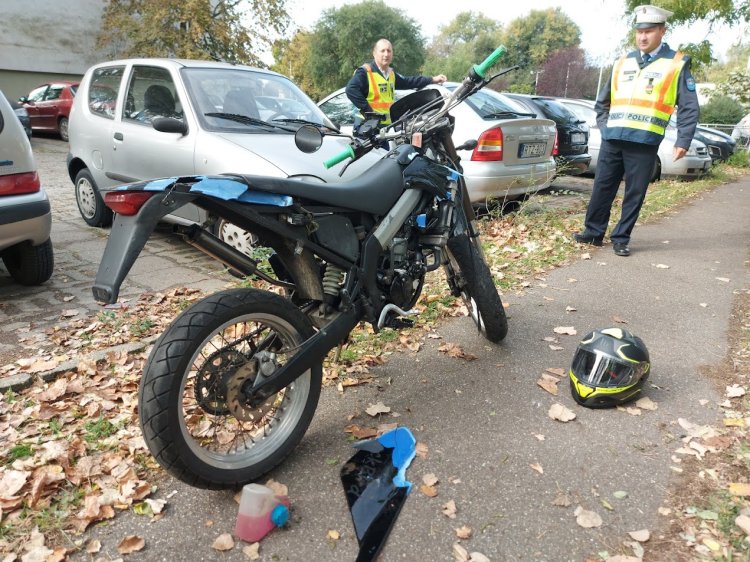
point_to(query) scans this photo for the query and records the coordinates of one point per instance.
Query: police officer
(632, 111)
(373, 85)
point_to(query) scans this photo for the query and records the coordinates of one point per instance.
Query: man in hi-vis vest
(373, 85)
(632, 111)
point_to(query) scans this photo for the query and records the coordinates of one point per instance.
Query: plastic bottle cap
(280, 515)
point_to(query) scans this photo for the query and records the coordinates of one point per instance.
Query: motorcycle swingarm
(126, 240)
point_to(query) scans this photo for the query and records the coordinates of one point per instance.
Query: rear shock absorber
(332, 279)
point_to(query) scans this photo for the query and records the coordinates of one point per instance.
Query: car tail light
(489, 146)
(556, 148)
(127, 203)
(18, 184)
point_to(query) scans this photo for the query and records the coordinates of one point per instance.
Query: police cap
(649, 16)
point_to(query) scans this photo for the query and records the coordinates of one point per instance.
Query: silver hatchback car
(25, 216)
(139, 119)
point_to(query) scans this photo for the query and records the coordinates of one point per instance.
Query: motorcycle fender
(126, 240)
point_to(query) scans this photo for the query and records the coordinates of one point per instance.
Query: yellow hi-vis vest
(643, 99)
(381, 92)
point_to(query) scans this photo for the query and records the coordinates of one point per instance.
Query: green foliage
(194, 29)
(99, 429)
(343, 39)
(293, 58)
(722, 109)
(19, 451)
(465, 41)
(737, 86)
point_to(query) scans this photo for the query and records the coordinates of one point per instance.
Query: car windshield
(258, 95)
(556, 111)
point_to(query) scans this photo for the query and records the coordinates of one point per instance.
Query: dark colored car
(49, 106)
(720, 145)
(22, 114)
(571, 153)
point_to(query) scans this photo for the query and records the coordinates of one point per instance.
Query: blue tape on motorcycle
(233, 190)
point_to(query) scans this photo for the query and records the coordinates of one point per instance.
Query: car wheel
(656, 176)
(90, 202)
(62, 127)
(237, 238)
(30, 265)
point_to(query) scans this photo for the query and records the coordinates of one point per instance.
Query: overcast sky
(599, 20)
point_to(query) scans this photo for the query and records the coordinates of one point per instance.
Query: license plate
(578, 138)
(532, 149)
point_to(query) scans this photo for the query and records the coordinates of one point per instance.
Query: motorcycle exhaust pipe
(312, 351)
(219, 250)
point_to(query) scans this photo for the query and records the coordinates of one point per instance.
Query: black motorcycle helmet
(609, 368)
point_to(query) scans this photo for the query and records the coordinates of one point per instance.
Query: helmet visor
(604, 371)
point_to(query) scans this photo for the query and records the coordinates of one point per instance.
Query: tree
(466, 40)
(196, 29)
(737, 86)
(294, 59)
(343, 39)
(531, 40)
(567, 74)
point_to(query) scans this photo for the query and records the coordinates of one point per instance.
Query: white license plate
(578, 138)
(532, 149)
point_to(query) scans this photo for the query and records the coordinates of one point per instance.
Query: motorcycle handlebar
(348, 152)
(481, 69)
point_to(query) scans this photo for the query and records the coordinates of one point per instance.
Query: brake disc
(236, 401)
(210, 387)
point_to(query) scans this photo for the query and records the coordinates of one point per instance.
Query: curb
(21, 381)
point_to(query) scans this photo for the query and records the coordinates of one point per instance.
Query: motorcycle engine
(401, 275)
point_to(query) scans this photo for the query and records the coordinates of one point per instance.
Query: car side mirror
(23, 99)
(169, 125)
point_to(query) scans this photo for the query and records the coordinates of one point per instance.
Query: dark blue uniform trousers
(635, 161)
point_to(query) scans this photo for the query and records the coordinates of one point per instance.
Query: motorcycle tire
(470, 278)
(192, 416)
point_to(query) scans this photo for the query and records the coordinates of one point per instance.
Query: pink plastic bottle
(260, 512)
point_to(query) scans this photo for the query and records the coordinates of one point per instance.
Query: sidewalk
(483, 421)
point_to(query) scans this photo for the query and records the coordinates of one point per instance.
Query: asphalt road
(481, 420)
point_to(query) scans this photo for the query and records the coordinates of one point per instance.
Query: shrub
(723, 110)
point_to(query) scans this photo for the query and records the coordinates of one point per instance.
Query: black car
(571, 153)
(720, 145)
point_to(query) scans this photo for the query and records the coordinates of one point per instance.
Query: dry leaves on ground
(223, 542)
(454, 350)
(587, 519)
(560, 413)
(130, 544)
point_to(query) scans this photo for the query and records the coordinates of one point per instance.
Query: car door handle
(119, 136)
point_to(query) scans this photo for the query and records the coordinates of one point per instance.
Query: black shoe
(622, 250)
(583, 239)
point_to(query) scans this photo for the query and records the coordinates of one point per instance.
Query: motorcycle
(231, 386)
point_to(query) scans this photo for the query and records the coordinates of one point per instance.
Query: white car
(694, 164)
(25, 215)
(741, 132)
(513, 156)
(139, 119)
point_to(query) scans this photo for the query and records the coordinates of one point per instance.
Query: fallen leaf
(223, 542)
(734, 422)
(624, 558)
(570, 309)
(735, 391)
(429, 491)
(585, 256)
(464, 533)
(743, 522)
(478, 557)
(156, 505)
(664, 511)
(556, 347)
(93, 546)
(460, 554)
(606, 505)
(661, 266)
(567, 330)
(549, 383)
(562, 500)
(537, 467)
(703, 305)
(739, 489)
(587, 519)
(641, 536)
(620, 494)
(539, 436)
(430, 479)
(422, 450)
(560, 413)
(333, 534)
(252, 551)
(619, 320)
(646, 403)
(556, 371)
(376, 409)
(723, 279)
(360, 432)
(454, 350)
(130, 544)
(449, 509)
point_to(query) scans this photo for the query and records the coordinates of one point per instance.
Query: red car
(49, 105)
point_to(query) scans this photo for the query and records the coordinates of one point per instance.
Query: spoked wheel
(195, 419)
(470, 278)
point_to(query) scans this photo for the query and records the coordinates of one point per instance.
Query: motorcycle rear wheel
(193, 419)
(470, 278)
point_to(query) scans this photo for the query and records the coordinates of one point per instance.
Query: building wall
(42, 40)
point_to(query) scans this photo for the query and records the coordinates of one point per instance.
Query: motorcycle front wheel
(194, 418)
(470, 278)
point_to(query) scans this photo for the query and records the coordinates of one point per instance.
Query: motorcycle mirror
(308, 139)
(169, 125)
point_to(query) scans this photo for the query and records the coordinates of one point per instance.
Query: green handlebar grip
(340, 157)
(480, 69)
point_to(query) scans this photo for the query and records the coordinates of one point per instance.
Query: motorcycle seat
(375, 191)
